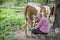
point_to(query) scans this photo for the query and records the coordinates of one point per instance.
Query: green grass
(10, 20)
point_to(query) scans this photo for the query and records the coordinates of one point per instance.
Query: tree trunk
(57, 14)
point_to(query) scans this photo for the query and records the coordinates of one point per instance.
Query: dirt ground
(20, 35)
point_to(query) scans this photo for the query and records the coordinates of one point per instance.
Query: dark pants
(37, 31)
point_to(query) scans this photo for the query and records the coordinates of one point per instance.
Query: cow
(32, 10)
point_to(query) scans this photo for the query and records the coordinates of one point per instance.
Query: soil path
(20, 35)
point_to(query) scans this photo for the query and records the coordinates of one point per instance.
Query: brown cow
(33, 10)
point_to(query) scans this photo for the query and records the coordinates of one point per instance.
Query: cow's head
(52, 10)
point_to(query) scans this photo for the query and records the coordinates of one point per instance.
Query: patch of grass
(10, 21)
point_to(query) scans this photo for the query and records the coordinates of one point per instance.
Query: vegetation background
(12, 17)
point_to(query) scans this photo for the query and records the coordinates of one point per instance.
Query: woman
(42, 27)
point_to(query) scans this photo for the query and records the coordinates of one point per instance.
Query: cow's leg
(31, 25)
(26, 29)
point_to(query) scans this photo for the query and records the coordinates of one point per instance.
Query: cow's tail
(26, 12)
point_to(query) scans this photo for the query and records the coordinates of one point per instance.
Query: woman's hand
(36, 24)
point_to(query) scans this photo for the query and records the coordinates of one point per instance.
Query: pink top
(43, 25)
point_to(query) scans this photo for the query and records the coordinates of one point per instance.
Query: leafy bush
(11, 18)
(51, 20)
(10, 21)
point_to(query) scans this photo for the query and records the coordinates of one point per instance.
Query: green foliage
(39, 1)
(10, 20)
(6, 36)
(51, 20)
(13, 19)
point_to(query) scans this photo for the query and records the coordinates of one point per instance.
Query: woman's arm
(41, 22)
